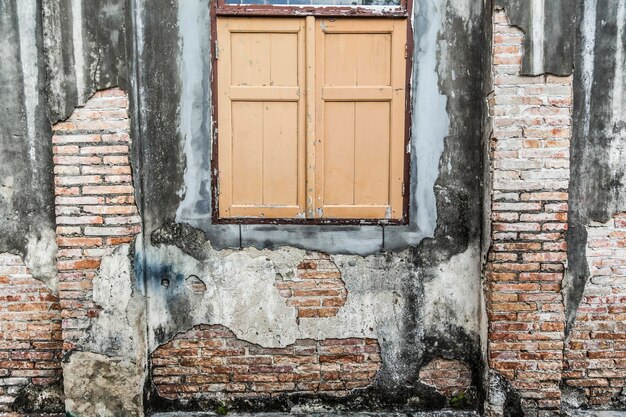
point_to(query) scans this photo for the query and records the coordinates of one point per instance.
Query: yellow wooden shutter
(344, 157)
(359, 160)
(261, 127)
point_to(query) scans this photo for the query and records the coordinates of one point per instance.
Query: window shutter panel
(360, 118)
(261, 126)
(311, 118)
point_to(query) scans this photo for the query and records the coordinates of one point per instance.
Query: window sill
(336, 239)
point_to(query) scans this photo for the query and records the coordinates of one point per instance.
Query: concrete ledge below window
(336, 239)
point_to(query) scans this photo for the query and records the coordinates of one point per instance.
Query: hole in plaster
(165, 282)
(195, 284)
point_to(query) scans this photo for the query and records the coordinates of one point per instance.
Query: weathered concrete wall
(598, 188)
(593, 38)
(414, 289)
(419, 303)
(56, 54)
(597, 203)
(549, 26)
(26, 190)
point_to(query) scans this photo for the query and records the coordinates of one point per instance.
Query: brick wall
(30, 331)
(317, 289)
(95, 206)
(529, 155)
(448, 376)
(209, 359)
(595, 357)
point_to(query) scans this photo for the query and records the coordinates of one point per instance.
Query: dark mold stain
(162, 157)
(512, 402)
(373, 399)
(26, 183)
(40, 399)
(188, 239)
(558, 28)
(164, 282)
(458, 187)
(597, 190)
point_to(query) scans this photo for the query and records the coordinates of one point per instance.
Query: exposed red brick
(209, 361)
(450, 377)
(316, 290)
(30, 331)
(91, 217)
(531, 119)
(595, 352)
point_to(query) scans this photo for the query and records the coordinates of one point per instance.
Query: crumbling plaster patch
(118, 328)
(102, 386)
(105, 376)
(26, 184)
(452, 294)
(41, 253)
(316, 289)
(597, 190)
(241, 295)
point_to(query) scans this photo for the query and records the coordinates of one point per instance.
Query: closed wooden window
(311, 118)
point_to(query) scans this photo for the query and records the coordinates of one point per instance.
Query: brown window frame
(219, 8)
(223, 9)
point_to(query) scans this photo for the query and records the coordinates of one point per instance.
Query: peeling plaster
(105, 375)
(26, 195)
(195, 112)
(103, 386)
(549, 27)
(260, 316)
(27, 22)
(118, 328)
(241, 295)
(452, 293)
(41, 253)
(598, 146)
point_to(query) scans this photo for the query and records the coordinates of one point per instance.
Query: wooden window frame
(223, 9)
(219, 8)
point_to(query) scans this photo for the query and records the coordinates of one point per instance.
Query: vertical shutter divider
(310, 117)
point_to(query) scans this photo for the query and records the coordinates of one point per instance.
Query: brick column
(95, 206)
(595, 355)
(30, 331)
(529, 154)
